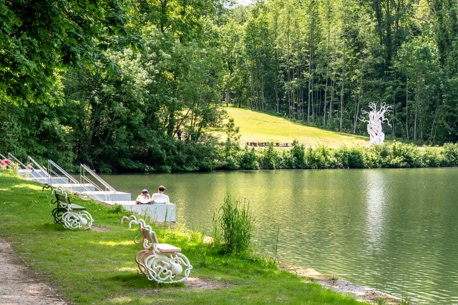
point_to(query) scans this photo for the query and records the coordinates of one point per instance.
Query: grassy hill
(260, 127)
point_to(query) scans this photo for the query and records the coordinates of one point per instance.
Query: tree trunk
(407, 107)
(342, 88)
(358, 102)
(327, 75)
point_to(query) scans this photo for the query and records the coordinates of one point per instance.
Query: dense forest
(110, 83)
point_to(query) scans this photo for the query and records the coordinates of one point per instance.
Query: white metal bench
(72, 216)
(160, 262)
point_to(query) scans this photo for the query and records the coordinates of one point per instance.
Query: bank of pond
(394, 230)
(388, 155)
(190, 157)
(97, 266)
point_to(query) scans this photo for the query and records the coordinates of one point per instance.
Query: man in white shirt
(160, 197)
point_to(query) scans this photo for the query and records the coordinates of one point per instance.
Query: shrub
(350, 157)
(298, 155)
(451, 154)
(408, 155)
(233, 226)
(248, 159)
(270, 158)
(432, 157)
(320, 158)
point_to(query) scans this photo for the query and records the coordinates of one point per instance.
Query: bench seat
(77, 207)
(166, 248)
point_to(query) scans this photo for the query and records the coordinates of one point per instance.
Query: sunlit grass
(260, 127)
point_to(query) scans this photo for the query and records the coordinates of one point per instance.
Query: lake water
(395, 230)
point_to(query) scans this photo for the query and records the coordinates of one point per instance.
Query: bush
(351, 157)
(432, 157)
(451, 154)
(248, 159)
(233, 226)
(298, 155)
(270, 158)
(320, 158)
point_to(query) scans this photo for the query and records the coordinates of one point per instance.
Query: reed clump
(233, 226)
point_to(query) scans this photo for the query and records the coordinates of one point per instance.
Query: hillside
(260, 127)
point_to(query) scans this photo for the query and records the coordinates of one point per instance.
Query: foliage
(233, 226)
(352, 157)
(248, 159)
(318, 63)
(38, 39)
(451, 154)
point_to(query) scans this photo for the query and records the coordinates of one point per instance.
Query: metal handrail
(96, 187)
(71, 179)
(5, 158)
(100, 180)
(61, 170)
(10, 156)
(42, 171)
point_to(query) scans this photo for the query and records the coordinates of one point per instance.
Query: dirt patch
(197, 283)
(19, 285)
(361, 293)
(100, 229)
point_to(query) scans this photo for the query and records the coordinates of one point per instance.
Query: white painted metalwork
(162, 263)
(172, 268)
(77, 220)
(72, 216)
(376, 118)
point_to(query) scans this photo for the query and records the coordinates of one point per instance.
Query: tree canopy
(39, 38)
(317, 62)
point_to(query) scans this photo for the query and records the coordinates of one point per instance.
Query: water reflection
(393, 230)
(376, 193)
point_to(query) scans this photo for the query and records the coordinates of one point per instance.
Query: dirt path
(19, 285)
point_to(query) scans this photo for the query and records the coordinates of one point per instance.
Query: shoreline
(361, 293)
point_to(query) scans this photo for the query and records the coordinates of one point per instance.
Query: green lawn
(260, 127)
(97, 266)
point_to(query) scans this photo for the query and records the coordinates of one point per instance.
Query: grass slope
(98, 267)
(260, 127)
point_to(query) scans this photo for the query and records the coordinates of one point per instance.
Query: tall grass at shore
(233, 226)
(97, 266)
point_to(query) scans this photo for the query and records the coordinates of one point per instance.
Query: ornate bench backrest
(62, 199)
(149, 237)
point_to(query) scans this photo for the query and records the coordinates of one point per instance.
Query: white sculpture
(376, 118)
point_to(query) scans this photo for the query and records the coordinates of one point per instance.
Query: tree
(39, 38)
(419, 61)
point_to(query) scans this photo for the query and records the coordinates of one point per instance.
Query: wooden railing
(266, 144)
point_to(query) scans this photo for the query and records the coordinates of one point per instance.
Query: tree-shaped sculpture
(374, 124)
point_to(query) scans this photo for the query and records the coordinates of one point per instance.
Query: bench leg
(57, 214)
(140, 258)
(168, 269)
(77, 220)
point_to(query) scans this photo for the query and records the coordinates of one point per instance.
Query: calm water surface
(395, 230)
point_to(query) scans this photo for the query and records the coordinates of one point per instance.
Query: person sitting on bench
(143, 197)
(160, 197)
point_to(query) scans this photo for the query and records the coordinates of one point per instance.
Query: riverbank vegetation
(97, 266)
(117, 82)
